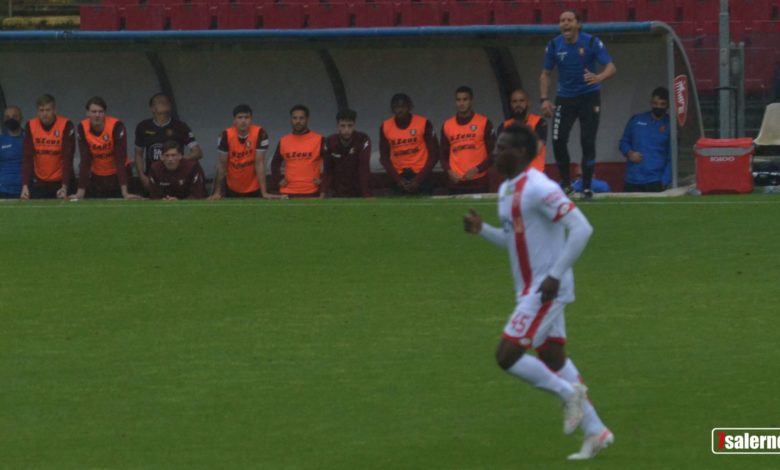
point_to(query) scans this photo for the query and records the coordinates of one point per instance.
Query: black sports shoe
(568, 190)
(587, 195)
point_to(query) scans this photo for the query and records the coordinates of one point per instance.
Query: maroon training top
(186, 182)
(347, 170)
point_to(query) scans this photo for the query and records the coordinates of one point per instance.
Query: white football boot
(593, 444)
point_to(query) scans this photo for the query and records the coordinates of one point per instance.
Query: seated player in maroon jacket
(347, 159)
(173, 177)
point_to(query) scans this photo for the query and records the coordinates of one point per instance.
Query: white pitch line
(375, 204)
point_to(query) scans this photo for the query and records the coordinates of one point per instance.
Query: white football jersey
(529, 206)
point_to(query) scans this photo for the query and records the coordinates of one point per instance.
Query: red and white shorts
(533, 323)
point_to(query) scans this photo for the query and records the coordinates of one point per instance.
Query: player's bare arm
(595, 78)
(219, 178)
(544, 96)
(139, 167)
(195, 153)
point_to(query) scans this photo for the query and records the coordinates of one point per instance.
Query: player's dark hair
(521, 137)
(45, 99)
(242, 109)
(661, 93)
(576, 13)
(171, 144)
(98, 101)
(400, 99)
(465, 89)
(346, 114)
(159, 95)
(300, 107)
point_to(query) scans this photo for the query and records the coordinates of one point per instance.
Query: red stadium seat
(376, 15)
(758, 10)
(699, 10)
(236, 16)
(420, 14)
(99, 18)
(282, 16)
(190, 16)
(120, 3)
(144, 17)
(704, 63)
(507, 12)
(605, 11)
(327, 15)
(651, 10)
(550, 11)
(459, 13)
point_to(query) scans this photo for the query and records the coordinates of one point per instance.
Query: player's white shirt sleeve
(558, 208)
(580, 231)
(496, 235)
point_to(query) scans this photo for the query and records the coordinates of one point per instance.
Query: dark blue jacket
(650, 137)
(11, 164)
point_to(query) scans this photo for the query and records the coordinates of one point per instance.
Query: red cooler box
(723, 165)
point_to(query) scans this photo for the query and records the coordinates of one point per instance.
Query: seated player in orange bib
(301, 154)
(518, 102)
(407, 147)
(467, 141)
(241, 160)
(49, 145)
(104, 168)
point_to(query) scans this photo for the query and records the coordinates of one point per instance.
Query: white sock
(533, 371)
(591, 423)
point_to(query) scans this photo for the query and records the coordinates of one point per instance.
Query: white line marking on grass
(375, 204)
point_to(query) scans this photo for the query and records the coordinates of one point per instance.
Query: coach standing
(578, 97)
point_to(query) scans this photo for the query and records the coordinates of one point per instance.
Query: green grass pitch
(360, 334)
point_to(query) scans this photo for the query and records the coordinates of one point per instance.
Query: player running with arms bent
(535, 215)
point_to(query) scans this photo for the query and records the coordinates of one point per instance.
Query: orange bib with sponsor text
(467, 144)
(241, 173)
(532, 121)
(101, 147)
(407, 146)
(47, 144)
(302, 162)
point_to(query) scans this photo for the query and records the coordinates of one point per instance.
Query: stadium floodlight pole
(724, 63)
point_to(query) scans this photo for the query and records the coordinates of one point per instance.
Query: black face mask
(12, 125)
(658, 112)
